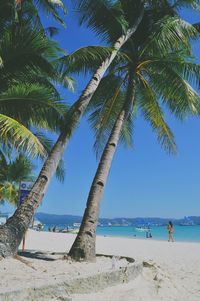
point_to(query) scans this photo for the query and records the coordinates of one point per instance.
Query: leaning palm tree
(124, 18)
(22, 217)
(146, 78)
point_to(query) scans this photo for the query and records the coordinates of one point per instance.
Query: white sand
(174, 276)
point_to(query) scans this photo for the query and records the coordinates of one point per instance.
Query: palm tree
(20, 220)
(27, 96)
(124, 20)
(156, 73)
(12, 173)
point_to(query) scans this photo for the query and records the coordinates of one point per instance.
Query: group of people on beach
(170, 229)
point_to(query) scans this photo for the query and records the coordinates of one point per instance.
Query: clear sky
(144, 181)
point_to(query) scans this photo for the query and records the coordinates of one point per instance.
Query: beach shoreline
(172, 272)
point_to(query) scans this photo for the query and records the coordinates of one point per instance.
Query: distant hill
(58, 219)
(55, 219)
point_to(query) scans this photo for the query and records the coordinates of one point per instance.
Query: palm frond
(32, 104)
(60, 171)
(194, 4)
(85, 59)
(146, 100)
(104, 17)
(176, 92)
(23, 139)
(105, 108)
(26, 51)
(51, 8)
(170, 34)
(126, 137)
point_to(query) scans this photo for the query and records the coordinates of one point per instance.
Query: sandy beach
(173, 271)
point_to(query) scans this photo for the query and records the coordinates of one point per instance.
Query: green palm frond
(194, 4)
(60, 171)
(32, 104)
(10, 192)
(1, 62)
(26, 51)
(197, 26)
(11, 131)
(104, 109)
(85, 59)
(126, 137)
(184, 65)
(170, 34)
(104, 17)
(20, 169)
(51, 8)
(146, 100)
(12, 172)
(175, 91)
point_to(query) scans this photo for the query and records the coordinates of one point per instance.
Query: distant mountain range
(54, 219)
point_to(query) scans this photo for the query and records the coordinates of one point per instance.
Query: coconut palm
(73, 116)
(125, 18)
(27, 96)
(148, 76)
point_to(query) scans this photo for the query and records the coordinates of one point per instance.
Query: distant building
(76, 224)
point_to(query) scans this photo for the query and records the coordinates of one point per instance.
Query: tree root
(26, 262)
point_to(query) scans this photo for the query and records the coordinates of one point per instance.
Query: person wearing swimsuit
(170, 229)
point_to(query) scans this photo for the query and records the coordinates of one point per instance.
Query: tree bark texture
(84, 247)
(13, 231)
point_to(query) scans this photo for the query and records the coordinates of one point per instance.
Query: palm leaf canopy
(30, 11)
(110, 18)
(24, 52)
(163, 77)
(51, 8)
(27, 96)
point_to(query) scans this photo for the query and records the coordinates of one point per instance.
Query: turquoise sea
(181, 233)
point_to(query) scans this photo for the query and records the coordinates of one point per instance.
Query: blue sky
(144, 181)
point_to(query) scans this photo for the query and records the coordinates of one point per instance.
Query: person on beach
(170, 229)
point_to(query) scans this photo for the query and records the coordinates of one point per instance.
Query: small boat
(74, 230)
(142, 229)
(69, 230)
(37, 225)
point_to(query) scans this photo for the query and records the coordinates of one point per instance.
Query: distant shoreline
(182, 234)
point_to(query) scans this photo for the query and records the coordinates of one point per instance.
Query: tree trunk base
(4, 251)
(83, 249)
(9, 242)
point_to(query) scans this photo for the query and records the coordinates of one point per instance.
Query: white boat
(142, 229)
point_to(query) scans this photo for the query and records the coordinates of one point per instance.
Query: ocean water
(181, 233)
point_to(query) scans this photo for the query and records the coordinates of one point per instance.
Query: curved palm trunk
(13, 231)
(84, 246)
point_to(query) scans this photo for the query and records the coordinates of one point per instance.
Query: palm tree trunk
(84, 246)
(13, 231)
